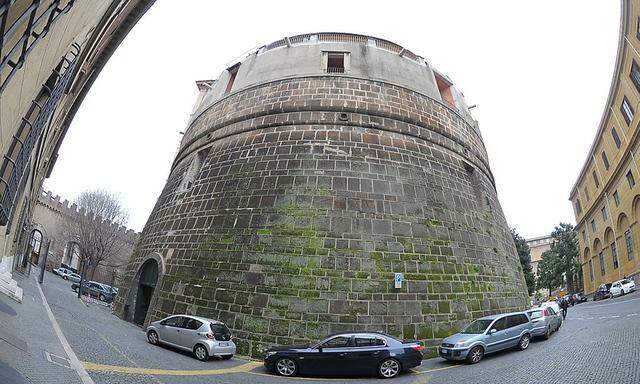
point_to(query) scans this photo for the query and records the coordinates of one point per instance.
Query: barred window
(605, 160)
(616, 138)
(630, 179)
(601, 259)
(627, 110)
(591, 269)
(614, 255)
(616, 198)
(629, 242)
(635, 75)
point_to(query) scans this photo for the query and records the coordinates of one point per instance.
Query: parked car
(487, 335)
(553, 305)
(545, 321)
(602, 292)
(93, 289)
(109, 288)
(199, 335)
(579, 298)
(64, 272)
(68, 274)
(350, 353)
(622, 287)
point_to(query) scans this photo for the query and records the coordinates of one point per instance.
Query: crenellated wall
(50, 214)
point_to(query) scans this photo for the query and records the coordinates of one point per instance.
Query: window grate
(15, 166)
(27, 24)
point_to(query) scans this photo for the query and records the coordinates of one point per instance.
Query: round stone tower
(311, 173)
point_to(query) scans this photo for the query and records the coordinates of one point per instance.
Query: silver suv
(199, 335)
(486, 335)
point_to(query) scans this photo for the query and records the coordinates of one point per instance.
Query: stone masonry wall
(304, 208)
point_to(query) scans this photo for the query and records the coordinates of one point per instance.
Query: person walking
(564, 304)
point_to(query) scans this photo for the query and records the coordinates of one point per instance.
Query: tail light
(210, 336)
(417, 347)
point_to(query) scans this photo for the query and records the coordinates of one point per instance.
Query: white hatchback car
(204, 337)
(554, 305)
(622, 287)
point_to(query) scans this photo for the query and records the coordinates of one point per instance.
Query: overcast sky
(538, 71)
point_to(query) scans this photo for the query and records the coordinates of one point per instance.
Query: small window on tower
(335, 62)
(444, 87)
(233, 71)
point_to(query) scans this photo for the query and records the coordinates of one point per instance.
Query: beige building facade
(537, 246)
(51, 51)
(606, 195)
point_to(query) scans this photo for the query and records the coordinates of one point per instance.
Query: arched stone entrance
(146, 285)
(71, 255)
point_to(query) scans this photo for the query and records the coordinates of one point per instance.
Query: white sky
(539, 72)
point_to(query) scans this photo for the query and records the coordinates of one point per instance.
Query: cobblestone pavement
(596, 344)
(30, 351)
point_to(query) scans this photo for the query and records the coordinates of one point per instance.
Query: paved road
(598, 343)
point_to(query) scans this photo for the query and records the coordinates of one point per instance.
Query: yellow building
(606, 196)
(537, 246)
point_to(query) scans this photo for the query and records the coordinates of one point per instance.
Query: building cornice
(615, 83)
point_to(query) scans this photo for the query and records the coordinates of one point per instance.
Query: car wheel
(389, 368)
(524, 342)
(475, 355)
(101, 297)
(226, 357)
(622, 293)
(547, 334)
(286, 367)
(200, 352)
(152, 336)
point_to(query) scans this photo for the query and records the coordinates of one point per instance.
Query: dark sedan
(97, 290)
(602, 292)
(352, 353)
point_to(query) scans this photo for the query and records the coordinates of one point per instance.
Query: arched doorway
(71, 256)
(146, 284)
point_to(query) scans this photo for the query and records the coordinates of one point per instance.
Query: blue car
(487, 335)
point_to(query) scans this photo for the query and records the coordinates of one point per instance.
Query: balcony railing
(17, 159)
(335, 69)
(344, 38)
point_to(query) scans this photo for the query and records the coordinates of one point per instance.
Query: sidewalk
(30, 351)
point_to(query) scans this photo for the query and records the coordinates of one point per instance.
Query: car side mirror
(163, 323)
(320, 349)
(492, 331)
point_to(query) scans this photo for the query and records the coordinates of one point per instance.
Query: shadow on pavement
(10, 375)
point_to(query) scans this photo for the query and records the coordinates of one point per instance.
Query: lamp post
(43, 261)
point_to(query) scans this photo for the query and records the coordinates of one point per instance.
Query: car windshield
(478, 326)
(625, 281)
(535, 314)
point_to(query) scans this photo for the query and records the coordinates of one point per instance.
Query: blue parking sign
(398, 280)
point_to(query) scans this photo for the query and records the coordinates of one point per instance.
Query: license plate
(224, 344)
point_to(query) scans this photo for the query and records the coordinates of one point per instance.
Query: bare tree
(96, 229)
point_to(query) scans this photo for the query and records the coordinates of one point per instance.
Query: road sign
(398, 280)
